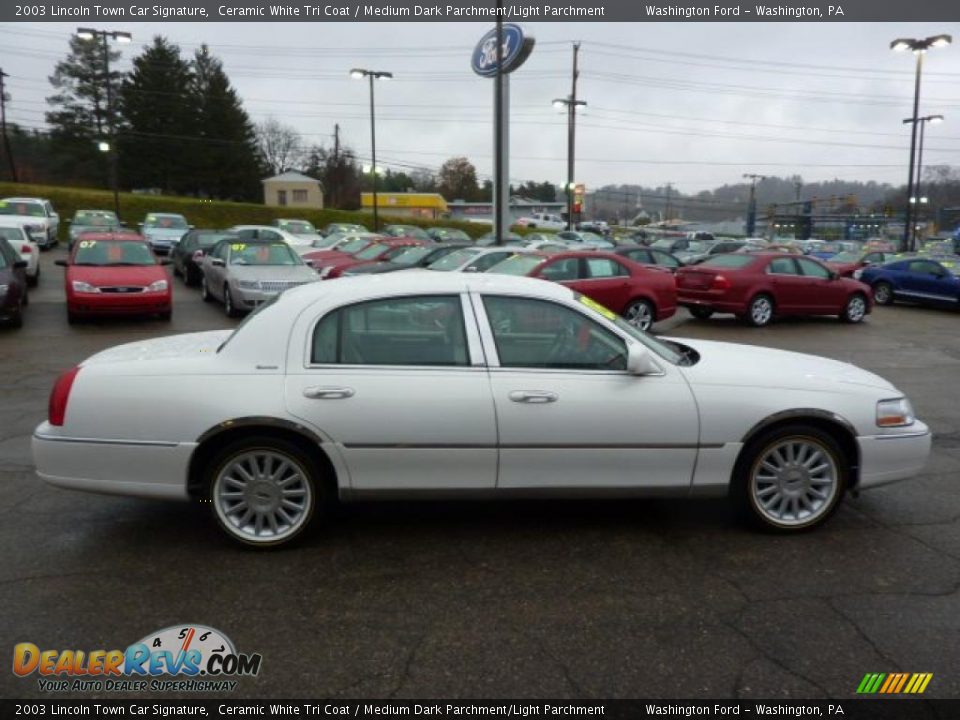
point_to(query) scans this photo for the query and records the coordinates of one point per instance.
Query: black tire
(204, 290)
(228, 306)
(855, 309)
(35, 280)
(756, 316)
(751, 460)
(315, 497)
(701, 313)
(188, 278)
(883, 293)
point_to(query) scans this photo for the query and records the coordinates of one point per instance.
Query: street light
(918, 48)
(571, 105)
(359, 74)
(916, 197)
(111, 146)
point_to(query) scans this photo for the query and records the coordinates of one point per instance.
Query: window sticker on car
(597, 307)
(87, 243)
(238, 247)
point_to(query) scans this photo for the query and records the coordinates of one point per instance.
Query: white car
(266, 232)
(26, 247)
(544, 221)
(465, 386)
(476, 259)
(36, 215)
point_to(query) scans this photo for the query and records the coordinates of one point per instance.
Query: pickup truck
(544, 221)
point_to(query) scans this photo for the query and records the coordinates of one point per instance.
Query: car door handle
(328, 392)
(535, 397)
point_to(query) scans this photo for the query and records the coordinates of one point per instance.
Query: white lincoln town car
(466, 385)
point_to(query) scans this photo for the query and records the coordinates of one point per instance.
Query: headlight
(857, 273)
(80, 286)
(158, 286)
(895, 413)
(248, 284)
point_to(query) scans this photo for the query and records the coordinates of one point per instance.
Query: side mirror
(61, 263)
(639, 360)
(198, 256)
(218, 262)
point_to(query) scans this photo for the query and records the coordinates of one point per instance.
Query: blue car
(917, 279)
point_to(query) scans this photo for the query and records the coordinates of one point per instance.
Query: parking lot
(514, 599)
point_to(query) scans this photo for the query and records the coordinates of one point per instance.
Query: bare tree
(280, 146)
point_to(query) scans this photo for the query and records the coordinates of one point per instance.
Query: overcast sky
(695, 104)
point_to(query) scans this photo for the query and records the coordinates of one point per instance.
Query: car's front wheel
(855, 309)
(228, 306)
(640, 314)
(791, 478)
(883, 293)
(760, 310)
(205, 290)
(264, 490)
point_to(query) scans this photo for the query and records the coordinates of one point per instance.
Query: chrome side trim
(536, 446)
(105, 441)
(898, 436)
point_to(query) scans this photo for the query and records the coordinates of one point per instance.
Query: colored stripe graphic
(894, 683)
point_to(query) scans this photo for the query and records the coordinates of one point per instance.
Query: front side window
(531, 333)
(420, 330)
(925, 267)
(812, 269)
(605, 268)
(665, 259)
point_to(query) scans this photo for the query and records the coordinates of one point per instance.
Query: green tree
(340, 175)
(79, 114)
(159, 142)
(225, 158)
(457, 180)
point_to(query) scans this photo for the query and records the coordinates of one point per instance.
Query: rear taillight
(57, 408)
(720, 283)
(26, 250)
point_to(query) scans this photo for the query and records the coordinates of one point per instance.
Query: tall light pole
(918, 48)
(752, 207)
(372, 75)
(917, 196)
(570, 103)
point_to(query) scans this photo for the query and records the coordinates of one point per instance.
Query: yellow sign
(431, 201)
(597, 307)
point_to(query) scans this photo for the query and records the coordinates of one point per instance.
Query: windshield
(516, 265)
(33, 209)
(256, 311)
(298, 227)
(113, 252)
(263, 254)
(172, 222)
(663, 244)
(412, 255)
(352, 246)
(454, 260)
(95, 218)
(372, 252)
(209, 239)
(451, 234)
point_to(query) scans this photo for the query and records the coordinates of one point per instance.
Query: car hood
(751, 366)
(116, 275)
(164, 348)
(272, 272)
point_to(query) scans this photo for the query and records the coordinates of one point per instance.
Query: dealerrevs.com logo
(180, 658)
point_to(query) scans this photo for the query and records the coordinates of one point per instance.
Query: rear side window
(605, 268)
(425, 331)
(782, 266)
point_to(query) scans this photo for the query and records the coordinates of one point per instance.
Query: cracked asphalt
(665, 599)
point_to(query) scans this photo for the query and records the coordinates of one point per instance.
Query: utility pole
(571, 135)
(3, 126)
(797, 186)
(752, 207)
(335, 193)
(668, 209)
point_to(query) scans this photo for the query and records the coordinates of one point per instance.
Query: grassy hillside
(202, 213)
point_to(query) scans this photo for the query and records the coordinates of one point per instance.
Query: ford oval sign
(516, 49)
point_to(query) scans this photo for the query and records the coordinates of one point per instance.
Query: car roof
(165, 214)
(25, 199)
(130, 236)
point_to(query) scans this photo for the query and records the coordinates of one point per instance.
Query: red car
(374, 252)
(640, 294)
(758, 287)
(846, 263)
(115, 274)
(341, 250)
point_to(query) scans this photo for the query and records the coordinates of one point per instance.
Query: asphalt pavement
(605, 599)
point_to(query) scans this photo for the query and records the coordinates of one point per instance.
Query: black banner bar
(859, 709)
(483, 11)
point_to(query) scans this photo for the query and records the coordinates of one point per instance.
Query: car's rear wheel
(264, 490)
(188, 278)
(640, 314)
(701, 313)
(228, 306)
(791, 478)
(855, 309)
(883, 293)
(760, 310)
(205, 291)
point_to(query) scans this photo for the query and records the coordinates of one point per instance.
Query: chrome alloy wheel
(761, 310)
(640, 315)
(794, 481)
(856, 308)
(262, 496)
